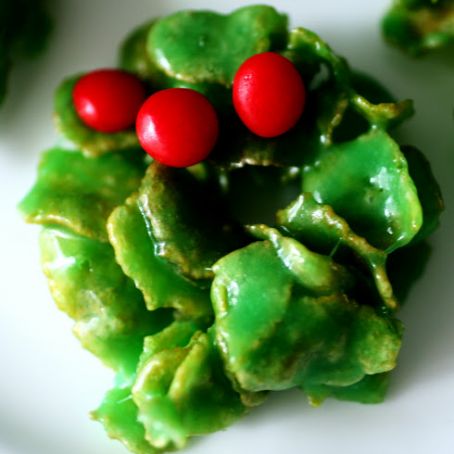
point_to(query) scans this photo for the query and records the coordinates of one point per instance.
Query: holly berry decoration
(107, 100)
(177, 127)
(268, 94)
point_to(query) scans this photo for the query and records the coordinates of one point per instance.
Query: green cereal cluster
(420, 26)
(261, 269)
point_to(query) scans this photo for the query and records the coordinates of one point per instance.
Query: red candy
(108, 100)
(268, 94)
(177, 127)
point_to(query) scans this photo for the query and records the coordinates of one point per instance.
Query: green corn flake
(206, 47)
(188, 223)
(429, 192)
(181, 391)
(87, 284)
(366, 181)
(79, 193)
(319, 225)
(119, 416)
(135, 58)
(369, 390)
(160, 284)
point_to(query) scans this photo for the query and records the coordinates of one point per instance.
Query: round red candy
(108, 100)
(177, 127)
(268, 94)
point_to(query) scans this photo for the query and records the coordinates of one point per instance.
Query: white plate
(48, 383)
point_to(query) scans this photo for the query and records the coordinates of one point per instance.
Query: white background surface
(48, 383)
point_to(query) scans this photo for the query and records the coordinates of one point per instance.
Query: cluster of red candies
(179, 126)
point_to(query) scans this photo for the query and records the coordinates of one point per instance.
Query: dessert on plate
(250, 248)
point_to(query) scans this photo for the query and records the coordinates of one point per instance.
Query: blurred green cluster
(24, 30)
(260, 269)
(420, 26)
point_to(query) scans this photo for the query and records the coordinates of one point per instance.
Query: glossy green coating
(79, 193)
(317, 273)
(25, 27)
(369, 390)
(159, 282)
(91, 142)
(429, 192)
(188, 223)
(419, 26)
(319, 226)
(366, 181)
(283, 321)
(181, 390)
(135, 58)
(87, 284)
(118, 414)
(203, 46)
